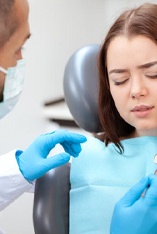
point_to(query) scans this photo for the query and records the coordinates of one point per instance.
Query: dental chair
(51, 198)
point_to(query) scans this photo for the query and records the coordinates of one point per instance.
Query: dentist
(18, 169)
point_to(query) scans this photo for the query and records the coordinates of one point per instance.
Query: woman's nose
(138, 88)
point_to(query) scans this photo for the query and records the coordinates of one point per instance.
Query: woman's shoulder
(92, 145)
(91, 162)
(92, 149)
(94, 140)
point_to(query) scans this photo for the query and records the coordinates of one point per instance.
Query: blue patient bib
(100, 176)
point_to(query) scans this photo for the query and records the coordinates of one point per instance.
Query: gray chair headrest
(81, 88)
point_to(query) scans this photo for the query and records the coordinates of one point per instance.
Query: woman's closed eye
(152, 76)
(120, 82)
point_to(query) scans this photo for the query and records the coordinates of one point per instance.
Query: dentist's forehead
(21, 10)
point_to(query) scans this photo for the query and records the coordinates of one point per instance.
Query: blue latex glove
(135, 214)
(33, 162)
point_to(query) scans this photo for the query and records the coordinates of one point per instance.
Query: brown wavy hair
(137, 21)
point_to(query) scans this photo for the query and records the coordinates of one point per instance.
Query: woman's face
(132, 72)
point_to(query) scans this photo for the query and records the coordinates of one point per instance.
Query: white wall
(59, 28)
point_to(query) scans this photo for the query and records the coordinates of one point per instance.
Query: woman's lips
(142, 111)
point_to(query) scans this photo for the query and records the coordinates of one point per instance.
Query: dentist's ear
(81, 87)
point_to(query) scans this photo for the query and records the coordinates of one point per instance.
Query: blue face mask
(13, 87)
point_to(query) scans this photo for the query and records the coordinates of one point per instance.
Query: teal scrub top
(100, 176)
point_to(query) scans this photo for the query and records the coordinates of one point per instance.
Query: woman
(106, 170)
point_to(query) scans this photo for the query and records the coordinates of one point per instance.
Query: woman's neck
(138, 133)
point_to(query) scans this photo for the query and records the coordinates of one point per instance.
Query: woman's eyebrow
(117, 71)
(147, 65)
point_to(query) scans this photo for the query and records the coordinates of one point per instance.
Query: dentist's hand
(135, 214)
(33, 162)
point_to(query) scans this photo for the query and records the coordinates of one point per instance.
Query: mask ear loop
(3, 70)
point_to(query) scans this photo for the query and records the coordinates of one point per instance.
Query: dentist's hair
(131, 23)
(8, 21)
